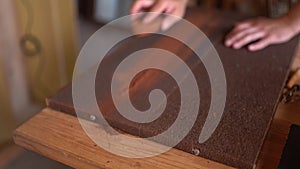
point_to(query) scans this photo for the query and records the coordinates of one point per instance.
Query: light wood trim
(60, 137)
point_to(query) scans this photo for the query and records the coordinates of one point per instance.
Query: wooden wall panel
(6, 119)
(53, 24)
(14, 94)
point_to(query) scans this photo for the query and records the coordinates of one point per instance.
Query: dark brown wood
(86, 8)
(290, 158)
(254, 83)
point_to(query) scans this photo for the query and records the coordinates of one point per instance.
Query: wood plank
(60, 137)
(66, 142)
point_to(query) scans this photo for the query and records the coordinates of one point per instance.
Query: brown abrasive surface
(254, 84)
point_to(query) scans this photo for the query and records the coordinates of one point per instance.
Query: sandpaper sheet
(254, 84)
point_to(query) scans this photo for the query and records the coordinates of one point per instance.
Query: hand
(172, 7)
(262, 31)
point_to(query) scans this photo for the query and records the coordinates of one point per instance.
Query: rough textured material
(254, 84)
(290, 158)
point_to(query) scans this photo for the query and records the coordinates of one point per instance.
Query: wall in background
(38, 49)
(14, 95)
(105, 11)
(6, 115)
(49, 40)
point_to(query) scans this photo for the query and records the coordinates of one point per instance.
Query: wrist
(293, 22)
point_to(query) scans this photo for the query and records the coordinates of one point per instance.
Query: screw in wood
(196, 151)
(92, 117)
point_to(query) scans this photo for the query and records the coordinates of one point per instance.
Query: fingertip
(164, 26)
(228, 43)
(236, 46)
(259, 45)
(253, 48)
(231, 38)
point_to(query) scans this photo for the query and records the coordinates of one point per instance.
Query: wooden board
(249, 108)
(60, 137)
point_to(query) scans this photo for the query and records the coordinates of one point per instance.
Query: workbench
(59, 136)
(237, 141)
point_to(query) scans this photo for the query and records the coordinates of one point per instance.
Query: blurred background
(39, 43)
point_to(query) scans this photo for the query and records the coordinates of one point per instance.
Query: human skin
(261, 32)
(156, 7)
(256, 33)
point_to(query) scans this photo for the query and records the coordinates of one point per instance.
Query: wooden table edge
(27, 136)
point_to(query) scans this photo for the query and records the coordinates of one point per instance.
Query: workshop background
(39, 43)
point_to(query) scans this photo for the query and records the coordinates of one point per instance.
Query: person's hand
(172, 7)
(260, 33)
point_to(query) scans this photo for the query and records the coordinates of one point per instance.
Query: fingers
(168, 22)
(261, 44)
(247, 32)
(238, 32)
(266, 31)
(156, 7)
(175, 16)
(234, 37)
(155, 11)
(139, 5)
(250, 37)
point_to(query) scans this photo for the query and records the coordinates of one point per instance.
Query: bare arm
(294, 17)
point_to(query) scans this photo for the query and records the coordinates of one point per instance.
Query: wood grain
(60, 137)
(54, 24)
(249, 106)
(16, 94)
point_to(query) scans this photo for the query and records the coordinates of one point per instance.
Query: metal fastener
(92, 117)
(196, 151)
